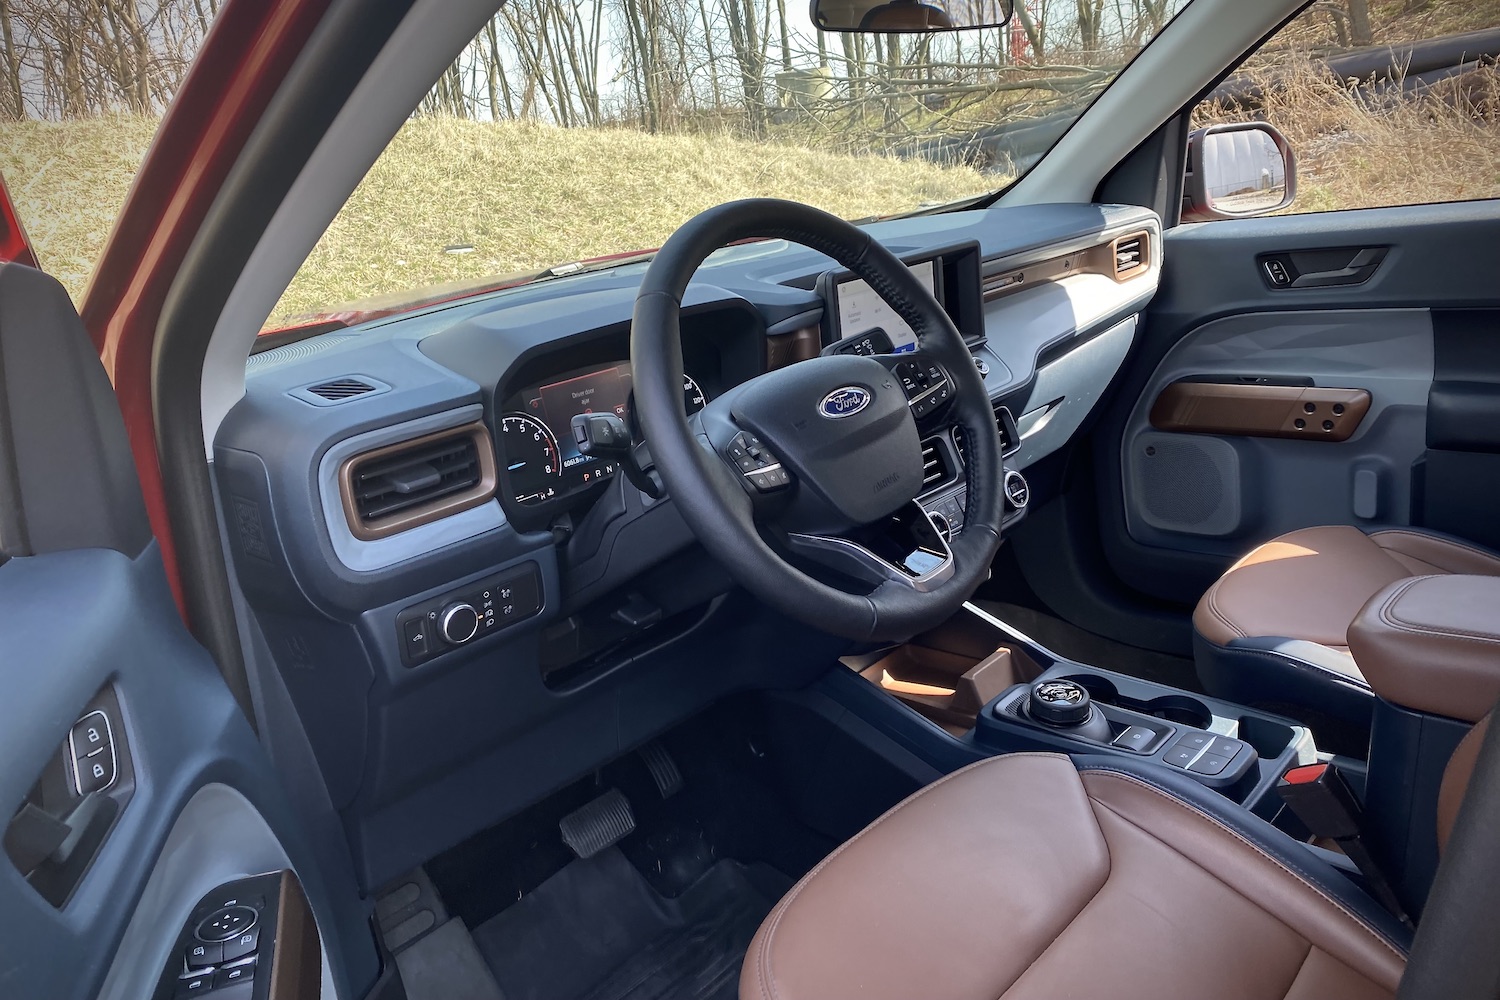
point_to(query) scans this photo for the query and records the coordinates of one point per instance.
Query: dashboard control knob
(459, 622)
(1016, 489)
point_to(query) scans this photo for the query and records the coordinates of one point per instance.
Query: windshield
(576, 129)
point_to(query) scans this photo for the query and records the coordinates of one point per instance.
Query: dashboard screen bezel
(957, 276)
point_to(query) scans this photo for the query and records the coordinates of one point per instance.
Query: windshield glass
(575, 129)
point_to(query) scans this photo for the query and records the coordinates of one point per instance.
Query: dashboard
(446, 583)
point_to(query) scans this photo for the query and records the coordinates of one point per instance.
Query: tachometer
(528, 452)
(693, 398)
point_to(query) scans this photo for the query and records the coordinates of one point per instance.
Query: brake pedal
(663, 769)
(601, 823)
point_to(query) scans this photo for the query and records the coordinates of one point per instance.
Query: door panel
(1182, 496)
(188, 798)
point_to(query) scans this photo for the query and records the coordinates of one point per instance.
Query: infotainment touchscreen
(863, 312)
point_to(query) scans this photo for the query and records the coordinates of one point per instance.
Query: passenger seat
(1273, 629)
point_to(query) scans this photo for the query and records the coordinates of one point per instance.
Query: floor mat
(597, 931)
(1067, 639)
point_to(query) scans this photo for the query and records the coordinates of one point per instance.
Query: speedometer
(528, 451)
(693, 398)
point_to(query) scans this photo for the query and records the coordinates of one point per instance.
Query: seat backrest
(1456, 779)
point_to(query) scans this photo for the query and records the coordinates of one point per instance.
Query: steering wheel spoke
(906, 549)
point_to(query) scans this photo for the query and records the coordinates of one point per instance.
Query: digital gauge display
(539, 459)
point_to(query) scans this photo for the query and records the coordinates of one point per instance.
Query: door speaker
(1185, 483)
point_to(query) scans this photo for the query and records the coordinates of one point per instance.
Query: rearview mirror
(909, 16)
(1237, 171)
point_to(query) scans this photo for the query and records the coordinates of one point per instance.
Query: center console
(994, 690)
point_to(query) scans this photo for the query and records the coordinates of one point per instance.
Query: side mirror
(1237, 171)
(909, 16)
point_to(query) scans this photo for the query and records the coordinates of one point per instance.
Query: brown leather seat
(1274, 628)
(1030, 876)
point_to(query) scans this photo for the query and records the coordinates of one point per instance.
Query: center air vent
(1131, 255)
(1005, 426)
(935, 471)
(416, 482)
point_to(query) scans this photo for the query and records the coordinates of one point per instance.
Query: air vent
(339, 390)
(935, 471)
(1131, 254)
(1005, 426)
(404, 485)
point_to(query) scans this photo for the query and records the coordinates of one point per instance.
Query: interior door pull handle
(1307, 268)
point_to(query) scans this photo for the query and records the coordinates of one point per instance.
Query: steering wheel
(822, 456)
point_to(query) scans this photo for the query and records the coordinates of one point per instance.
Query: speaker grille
(1185, 484)
(1181, 483)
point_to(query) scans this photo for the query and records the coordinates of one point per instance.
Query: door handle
(1320, 268)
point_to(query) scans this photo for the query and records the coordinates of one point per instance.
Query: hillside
(524, 196)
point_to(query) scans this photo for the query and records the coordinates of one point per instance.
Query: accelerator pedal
(601, 823)
(663, 769)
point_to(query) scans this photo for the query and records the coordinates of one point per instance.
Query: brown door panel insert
(1315, 413)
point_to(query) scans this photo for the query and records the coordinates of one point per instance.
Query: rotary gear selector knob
(1059, 703)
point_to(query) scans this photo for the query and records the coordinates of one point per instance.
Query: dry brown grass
(524, 196)
(1361, 149)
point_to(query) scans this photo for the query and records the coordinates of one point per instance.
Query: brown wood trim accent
(455, 503)
(789, 348)
(1098, 259)
(296, 954)
(1312, 413)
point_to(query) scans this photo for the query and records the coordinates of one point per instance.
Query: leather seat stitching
(1213, 606)
(1303, 877)
(762, 970)
(1387, 612)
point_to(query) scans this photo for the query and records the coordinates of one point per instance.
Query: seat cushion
(1274, 628)
(1024, 877)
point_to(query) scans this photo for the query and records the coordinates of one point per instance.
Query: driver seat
(1039, 876)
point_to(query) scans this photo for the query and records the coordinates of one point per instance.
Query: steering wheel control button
(459, 623)
(756, 463)
(245, 944)
(925, 385)
(202, 955)
(225, 923)
(1059, 703)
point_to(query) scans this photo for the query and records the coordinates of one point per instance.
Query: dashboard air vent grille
(416, 482)
(1131, 255)
(1005, 426)
(341, 389)
(935, 469)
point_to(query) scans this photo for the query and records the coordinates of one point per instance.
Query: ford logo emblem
(845, 401)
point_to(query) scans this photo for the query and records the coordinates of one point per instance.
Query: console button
(202, 955)
(198, 982)
(1180, 756)
(1198, 741)
(414, 636)
(1210, 763)
(242, 973)
(237, 948)
(1135, 738)
(225, 923)
(1226, 748)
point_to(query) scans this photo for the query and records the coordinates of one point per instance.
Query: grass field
(523, 196)
(526, 196)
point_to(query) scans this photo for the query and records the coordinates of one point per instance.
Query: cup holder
(1177, 708)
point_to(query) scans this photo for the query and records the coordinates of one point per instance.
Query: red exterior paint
(246, 55)
(14, 244)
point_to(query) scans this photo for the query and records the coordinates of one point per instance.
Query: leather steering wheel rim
(710, 499)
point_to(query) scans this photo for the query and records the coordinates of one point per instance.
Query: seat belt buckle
(1322, 800)
(1320, 797)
